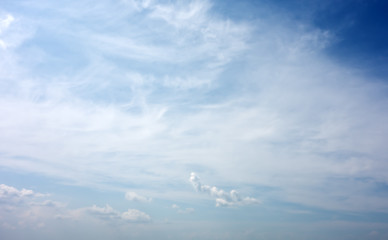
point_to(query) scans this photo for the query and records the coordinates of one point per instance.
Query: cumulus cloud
(224, 199)
(11, 194)
(132, 196)
(26, 208)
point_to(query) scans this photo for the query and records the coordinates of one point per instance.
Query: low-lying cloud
(107, 213)
(132, 196)
(223, 199)
(28, 209)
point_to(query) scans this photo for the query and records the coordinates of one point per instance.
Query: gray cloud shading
(223, 199)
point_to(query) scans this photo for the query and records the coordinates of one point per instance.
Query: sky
(198, 119)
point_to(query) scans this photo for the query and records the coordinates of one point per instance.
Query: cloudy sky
(130, 119)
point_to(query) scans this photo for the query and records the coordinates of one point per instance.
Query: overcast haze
(131, 119)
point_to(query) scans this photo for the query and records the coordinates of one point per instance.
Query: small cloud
(186, 210)
(182, 211)
(223, 199)
(107, 213)
(11, 194)
(134, 215)
(4, 24)
(104, 213)
(132, 196)
(175, 206)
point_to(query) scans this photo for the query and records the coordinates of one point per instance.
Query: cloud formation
(132, 196)
(223, 199)
(182, 211)
(159, 87)
(4, 24)
(8, 192)
(108, 214)
(26, 208)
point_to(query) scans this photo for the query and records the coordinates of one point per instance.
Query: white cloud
(134, 215)
(104, 213)
(264, 107)
(27, 209)
(11, 192)
(12, 195)
(132, 196)
(182, 211)
(111, 216)
(175, 206)
(4, 25)
(223, 199)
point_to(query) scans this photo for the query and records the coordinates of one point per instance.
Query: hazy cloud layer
(121, 94)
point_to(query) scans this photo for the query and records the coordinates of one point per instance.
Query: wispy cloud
(182, 210)
(132, 196)
(223, 199)
(137, 92)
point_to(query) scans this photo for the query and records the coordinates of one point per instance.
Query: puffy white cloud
(132, 196)
(11, 192)
(224, 199)
(26, 208)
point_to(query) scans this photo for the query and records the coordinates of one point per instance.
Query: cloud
(134, 215)
(104, 213)
(223, 199)
(182, 211)
(108, 214)
(255, 101)
(11, 194)
(174, 206)
(132, 196)
(26, 209)
(4, 24)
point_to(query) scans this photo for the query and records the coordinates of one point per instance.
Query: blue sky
(199, 119)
